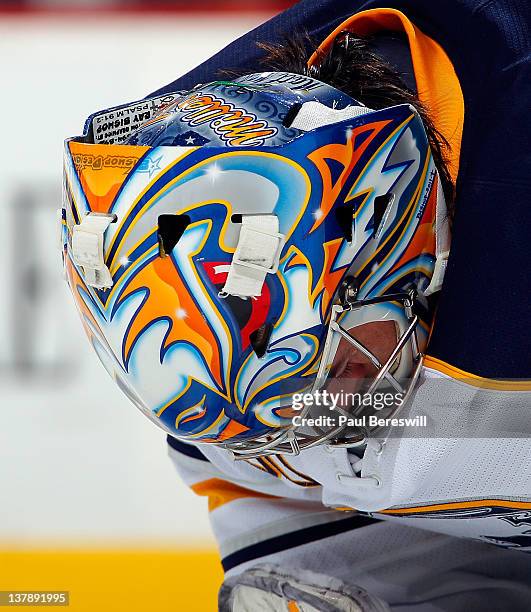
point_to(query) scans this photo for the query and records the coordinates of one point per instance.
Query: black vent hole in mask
(260, 339)
(345, 220)
(170, 231)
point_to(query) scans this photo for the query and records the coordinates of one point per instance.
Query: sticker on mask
(305, 86)
(114, 125)
(250, 111)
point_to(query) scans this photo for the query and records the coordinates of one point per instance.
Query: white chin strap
(87, 249)
(257, 254)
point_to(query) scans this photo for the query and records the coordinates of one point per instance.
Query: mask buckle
(87, 249)
(257, 255)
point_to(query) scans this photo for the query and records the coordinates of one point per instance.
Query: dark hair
(354, 68)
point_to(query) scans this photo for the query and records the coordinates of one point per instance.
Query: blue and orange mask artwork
(157, 197)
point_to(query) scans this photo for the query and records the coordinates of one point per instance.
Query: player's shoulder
(211, 470)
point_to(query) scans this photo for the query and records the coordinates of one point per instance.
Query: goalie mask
(219, 243)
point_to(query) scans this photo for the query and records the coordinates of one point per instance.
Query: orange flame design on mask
(102, 169)
(169, 298)
(348, 156)
(423, 240)
(329, 280)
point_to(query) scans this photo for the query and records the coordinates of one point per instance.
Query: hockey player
(266, 243)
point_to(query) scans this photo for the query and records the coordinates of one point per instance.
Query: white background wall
(78, 464)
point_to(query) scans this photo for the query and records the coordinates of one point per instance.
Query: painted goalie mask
(219, 243)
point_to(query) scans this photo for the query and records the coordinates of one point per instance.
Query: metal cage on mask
(293, 441)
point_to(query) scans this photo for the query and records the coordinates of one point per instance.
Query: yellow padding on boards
(128, 580)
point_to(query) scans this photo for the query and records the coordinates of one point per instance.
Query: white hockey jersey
(328, 511)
